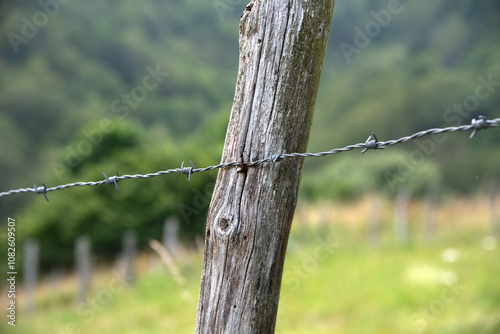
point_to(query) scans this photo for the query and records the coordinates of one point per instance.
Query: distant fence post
(430, 214)
(170, 239)
(494, 215)
(324, 221)
(401, 215)
(129, 253)
(373, 221)
(83, 267)
(31, 250)
(55, 277)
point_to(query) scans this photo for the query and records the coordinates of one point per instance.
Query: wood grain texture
(282, 46)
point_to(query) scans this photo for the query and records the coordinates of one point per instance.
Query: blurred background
(407, 236)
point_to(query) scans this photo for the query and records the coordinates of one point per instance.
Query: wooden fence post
(83, 267)
(401, 215)
(170, 238)
(129, 252)
(282, 46)
(31, 249)
(56, 276)
(373, 221)
(494, 211)
(430, 215)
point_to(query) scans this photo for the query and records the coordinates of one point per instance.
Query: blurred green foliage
(103, 214)
(89, 64)
(352, 176)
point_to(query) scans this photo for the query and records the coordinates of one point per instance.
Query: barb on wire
(187, 170)
(372, 144)
(41, 190)
(276, 158)
(112, 179)
(481, 123)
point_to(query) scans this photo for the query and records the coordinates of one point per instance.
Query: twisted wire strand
(371, 143)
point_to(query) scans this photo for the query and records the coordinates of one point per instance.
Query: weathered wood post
(430, 214)
(170, 238)
(128, 256)
(31, 251)
(401, 228)
(282, 46)
(373, 221)
(83, 267)
(494, 212)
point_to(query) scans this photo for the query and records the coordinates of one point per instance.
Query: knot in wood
(223, 224)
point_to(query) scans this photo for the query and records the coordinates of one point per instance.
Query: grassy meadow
(333, 282)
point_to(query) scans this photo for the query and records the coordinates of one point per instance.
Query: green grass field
(332, 283)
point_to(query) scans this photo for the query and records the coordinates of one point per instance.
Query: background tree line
(57, 86)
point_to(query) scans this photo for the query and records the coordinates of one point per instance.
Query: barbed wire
(371, 143)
